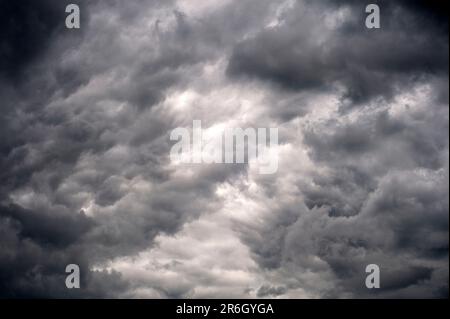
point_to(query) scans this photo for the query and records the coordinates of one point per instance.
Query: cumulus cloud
(300, 54)
(86, 176)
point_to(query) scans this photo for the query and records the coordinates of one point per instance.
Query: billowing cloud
(86, 176)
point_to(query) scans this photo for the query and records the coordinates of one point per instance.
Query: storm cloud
(86, 177)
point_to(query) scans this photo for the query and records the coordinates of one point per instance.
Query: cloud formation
(84, 155)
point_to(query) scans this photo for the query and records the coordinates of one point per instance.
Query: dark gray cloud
(300, 54)
(269, 291)
(84, 151)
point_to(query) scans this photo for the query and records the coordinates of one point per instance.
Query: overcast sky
(86, 178)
